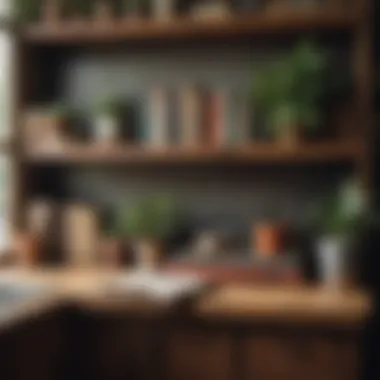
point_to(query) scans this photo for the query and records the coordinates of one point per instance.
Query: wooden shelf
(326, 152)
(263, 22)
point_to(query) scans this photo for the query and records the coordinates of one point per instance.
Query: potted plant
(107, 120)
(339, 220)
(27, 10)
(289, 92)
(268, 238)
(148, 223)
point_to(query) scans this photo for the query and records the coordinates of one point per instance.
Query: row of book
(195, 116)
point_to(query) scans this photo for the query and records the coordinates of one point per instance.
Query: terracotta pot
(27, 248)
(268, 239)
(112, 252)
(148, 253)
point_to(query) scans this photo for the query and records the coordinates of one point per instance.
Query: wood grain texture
(324, 152)
(185, 28)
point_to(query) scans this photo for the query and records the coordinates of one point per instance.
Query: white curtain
(6, 95)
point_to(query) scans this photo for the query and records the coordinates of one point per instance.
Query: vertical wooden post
(363, 67)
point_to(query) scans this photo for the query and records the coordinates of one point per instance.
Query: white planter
(333, 260)
(106, 128)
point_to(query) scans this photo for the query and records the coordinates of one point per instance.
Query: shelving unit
(330, 152)
(353, 22)
(187, 28)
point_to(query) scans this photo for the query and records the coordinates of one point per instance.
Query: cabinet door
(334, 358)
(299, 357)
(34, 349)
(197, 354)
(120, 349)
(274, 358)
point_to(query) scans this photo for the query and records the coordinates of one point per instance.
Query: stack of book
(194, 116)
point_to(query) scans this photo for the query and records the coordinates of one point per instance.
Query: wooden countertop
(88, 289)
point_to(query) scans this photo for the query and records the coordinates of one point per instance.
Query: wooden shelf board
(249, 154)
(262, 22)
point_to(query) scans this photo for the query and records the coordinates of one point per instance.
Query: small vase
(106, 129)
(332, 260)
(148, 254)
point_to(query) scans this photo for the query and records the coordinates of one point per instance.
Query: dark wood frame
(357, 22)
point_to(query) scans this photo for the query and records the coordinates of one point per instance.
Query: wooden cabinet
(121, 349)
(297, 356)
(35, 348)
(200, 354)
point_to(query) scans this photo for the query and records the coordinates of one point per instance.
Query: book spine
(190, 116)
(216, 118)
(158, 134)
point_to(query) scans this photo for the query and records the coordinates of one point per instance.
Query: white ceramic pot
(333, 260)
(106, 129)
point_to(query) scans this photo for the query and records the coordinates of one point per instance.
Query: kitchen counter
(224, 332)
(87, 289)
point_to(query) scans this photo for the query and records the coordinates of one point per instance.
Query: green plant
(290, 90)
(152, 217)
(59, 110)
(27, 10)
(343, 213)
(109, 106)
(80, 7)
(133, 6)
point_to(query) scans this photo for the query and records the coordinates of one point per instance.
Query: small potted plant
(289, 93)
(27, 10)
(107, 120)
(148, 223)
(268, 238)
(339, 221)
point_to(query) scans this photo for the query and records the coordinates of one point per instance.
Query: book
(158, 131)
(190, 117)
(215, 117)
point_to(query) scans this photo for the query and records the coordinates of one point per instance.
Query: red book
(214, 121)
